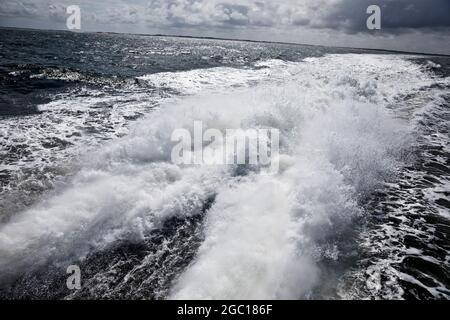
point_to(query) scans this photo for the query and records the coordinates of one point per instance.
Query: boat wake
(140, 226)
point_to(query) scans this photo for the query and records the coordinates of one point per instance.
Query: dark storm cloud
(396, 15)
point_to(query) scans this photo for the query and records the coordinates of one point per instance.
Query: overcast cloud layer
(412, 25)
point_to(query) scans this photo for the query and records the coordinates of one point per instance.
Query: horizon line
(233, 39)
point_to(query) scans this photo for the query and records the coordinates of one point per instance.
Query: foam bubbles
(264, 234)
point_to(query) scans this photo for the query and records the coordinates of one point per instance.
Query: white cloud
(232, 13)
(346, 15)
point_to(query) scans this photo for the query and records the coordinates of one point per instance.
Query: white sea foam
(219, 78)
(263, 233)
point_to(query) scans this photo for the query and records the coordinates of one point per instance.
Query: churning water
(358, 209)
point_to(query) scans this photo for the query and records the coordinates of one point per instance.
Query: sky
(406, 25)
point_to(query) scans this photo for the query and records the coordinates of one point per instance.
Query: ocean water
(358, 210)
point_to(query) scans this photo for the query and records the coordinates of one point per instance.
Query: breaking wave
(259, 236)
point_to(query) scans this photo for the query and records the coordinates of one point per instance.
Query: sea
(359, 208)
